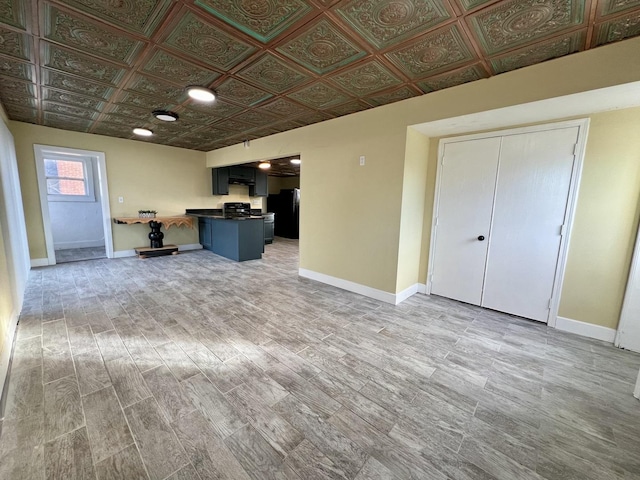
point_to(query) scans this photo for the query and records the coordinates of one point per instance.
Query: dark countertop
(217, 214)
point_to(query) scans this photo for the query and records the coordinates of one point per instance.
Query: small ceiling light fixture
(264, 165)
(143, 132)
(201, 94)
(246, 143)
(165, 115)
(295, 161)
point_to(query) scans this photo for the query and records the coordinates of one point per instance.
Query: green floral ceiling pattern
(103, 66)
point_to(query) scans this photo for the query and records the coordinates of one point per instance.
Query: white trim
(189, 246)
(79, 244)
(627, 315)
(406, 293)
(583, 128)
(585, 329)
(39, 152)
(7, 349)
(422, 288)
(89, 182)
(181, 248)
(636, 391)
(39, 262)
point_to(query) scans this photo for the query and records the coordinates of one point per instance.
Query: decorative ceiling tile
(69, 110)
(132, 112)
(506, 25)
(156, 88)
(143, 101)
(89, 36)
(262, 19)
(195, 116)
(233, 125)
(365, 79)
(78, 85)
(206, 136)
(322, 48)
(16, 99)
(256, 117)
(71, 99)
(170, 130)
(401, 93)
(14, 68)
(384, 23)
(556, 47)
(347, 108)
(140, 16)
(619, 28)
(314, 117)
(12, 12)
(273, 74)
(444, 49)
(285, 108)
(447, 80)
(240, 92)
(78, 64)
(66, 123)
(609, 7)
(120, 120)
(319, 95)
(195, 38)
(176, 70)
(113, 130)
(286, 125)
(22, 114)
(15, 44)
(471, 4)
(16, 87)
(218, 109)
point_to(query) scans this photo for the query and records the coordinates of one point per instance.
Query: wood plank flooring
(194, 367)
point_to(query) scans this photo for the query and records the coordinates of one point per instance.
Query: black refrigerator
(286, 206)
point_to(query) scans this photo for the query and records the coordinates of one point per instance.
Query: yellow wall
(278, 183)
(372, 242)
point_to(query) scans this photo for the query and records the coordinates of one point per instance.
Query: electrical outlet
(361, 160)
(120, 199)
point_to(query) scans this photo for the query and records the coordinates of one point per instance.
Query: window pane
(65, 187)
(64, 168)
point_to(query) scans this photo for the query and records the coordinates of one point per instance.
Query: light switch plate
(361, 160)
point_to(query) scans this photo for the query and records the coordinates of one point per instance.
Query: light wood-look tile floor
(196, 367)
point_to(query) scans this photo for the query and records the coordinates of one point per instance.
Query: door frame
(40, 151)
(576, 173)
(626, 313)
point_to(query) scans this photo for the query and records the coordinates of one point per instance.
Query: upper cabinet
(220, 181)
(256, 180)
(260, 188)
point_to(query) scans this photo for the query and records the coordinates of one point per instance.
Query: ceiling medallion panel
(112, 130)
(504, 26)
(347, 108)
(314, 117)
(366, 79)
(65, 123)
(319, 95)
(193, 37)
(12, 13)
(401, 93)
(262, 19)
(471, 4)
(255, 117)
(16, 87)
(442, 50)
(447, 80)
(88, 36)
(71, 99)
(132, 112)
(173, 69)
(72, 62)
(219, 109)
(618, 29)
(554, 48)
(52, 78)
(285, 108)
(139, 16)
(195, 116)
(134, 99)
(241, 93)
(233, 125)
(118, 120)
(386, 22)
(69, 110)
(22, 114)
(322, 49)
(149, 86)
(273, 74)
(13, 68)
(610, 7)
(15, 44)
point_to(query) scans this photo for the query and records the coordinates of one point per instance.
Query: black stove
(236, 210)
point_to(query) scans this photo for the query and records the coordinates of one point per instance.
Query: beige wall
(373, 242)
(278, 183)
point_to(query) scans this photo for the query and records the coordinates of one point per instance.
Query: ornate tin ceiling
(103, 66)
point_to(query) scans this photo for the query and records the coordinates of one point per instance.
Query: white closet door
(467, 184)
(532, 194)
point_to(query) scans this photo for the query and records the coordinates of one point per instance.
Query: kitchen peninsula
(234, 232)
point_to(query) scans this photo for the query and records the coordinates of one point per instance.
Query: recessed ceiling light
(143, 132)
(200, 93)
(264, 165)
(295, 161)
(165, 115)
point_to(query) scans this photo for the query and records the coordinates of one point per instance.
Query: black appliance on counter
(236, 210)
(286, 206)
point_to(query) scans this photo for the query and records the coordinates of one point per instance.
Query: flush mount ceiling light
(201, 94)
(143, 132)
(264, 165)
(165, 115)
(295, 161)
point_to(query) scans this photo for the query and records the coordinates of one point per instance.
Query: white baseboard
(392, 298)
(586, 329)
(6, 350)
(132, 253)
(80, 244)
(422, 288)
(39, 262)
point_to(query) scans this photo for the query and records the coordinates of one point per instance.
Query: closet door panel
(532, 193)
(467, 184)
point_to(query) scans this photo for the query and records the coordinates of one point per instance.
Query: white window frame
(87, 168)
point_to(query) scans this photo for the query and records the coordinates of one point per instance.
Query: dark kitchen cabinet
(237, 239)
(206, 236)
(260, 188)
(242, 174)
(220, 181)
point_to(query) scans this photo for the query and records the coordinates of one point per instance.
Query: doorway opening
(74, 200)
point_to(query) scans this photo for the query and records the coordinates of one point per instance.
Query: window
(69, 179)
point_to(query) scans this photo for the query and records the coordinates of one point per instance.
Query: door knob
(481, 237)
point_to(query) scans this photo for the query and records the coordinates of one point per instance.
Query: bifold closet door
(467, 184)
(531, 201)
